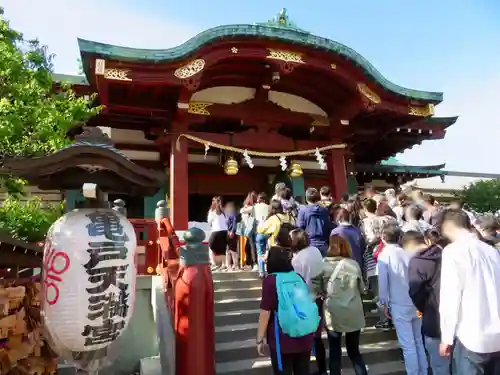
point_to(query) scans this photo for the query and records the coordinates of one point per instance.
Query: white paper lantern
(89, 276)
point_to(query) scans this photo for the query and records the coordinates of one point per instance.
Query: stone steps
(237, 303)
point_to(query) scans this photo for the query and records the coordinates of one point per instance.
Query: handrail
(169, 245)
(188, 294)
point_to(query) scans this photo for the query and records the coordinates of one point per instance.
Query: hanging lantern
(231, 167)
(89, 280)
(296, 170)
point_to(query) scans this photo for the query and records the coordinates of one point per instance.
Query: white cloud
(58, 24)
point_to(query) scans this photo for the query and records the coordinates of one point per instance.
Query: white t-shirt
(416, 225)
(261, 212)
(470, 294)
(217, 222)
(308, 263)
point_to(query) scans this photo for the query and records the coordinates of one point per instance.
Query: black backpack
(287, 226)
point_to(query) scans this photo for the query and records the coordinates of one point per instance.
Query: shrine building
(240, 107)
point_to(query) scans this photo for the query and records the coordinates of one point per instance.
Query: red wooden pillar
(337, 176)
(179, 191)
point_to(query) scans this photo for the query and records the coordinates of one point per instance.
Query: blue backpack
(297, 312)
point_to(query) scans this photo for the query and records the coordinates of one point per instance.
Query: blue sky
(439, 45)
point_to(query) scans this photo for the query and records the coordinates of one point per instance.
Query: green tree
(29, 220)
(34, 118)
(482, 196)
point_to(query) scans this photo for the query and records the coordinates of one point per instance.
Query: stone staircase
(237, 301)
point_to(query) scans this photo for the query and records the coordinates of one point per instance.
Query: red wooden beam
(151, 112)
(252, 111)
(424, 126)
(344, 73)
(252, 140)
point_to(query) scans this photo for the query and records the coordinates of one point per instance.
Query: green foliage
(34, 118)
(30, 220)
(483, 196)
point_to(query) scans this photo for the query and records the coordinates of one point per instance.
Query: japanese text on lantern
(107, 267)
(56, 263)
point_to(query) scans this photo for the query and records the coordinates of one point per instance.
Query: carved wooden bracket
(190, 74)
(192, 83)
(286, 67)
(368, 104)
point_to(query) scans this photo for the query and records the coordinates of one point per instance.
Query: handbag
(250, 224)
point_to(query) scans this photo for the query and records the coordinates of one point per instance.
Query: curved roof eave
(444, 121)
(387, 168)
(287, 35)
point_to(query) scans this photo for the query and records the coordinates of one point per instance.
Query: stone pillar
(337, 176)
(119, 205)
(179, 185)
(161, 210)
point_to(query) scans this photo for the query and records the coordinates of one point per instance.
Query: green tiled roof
(444, 121)
(280, 28)
(392, 161)
(74, 80)
(393, 165)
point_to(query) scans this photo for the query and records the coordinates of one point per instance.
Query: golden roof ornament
(282, 21)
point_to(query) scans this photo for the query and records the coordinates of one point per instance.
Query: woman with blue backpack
(288, 316)
(307, 261)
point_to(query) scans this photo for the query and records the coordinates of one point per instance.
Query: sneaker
(384, 325)
(374, 311)
(214, 267)
(255, 268)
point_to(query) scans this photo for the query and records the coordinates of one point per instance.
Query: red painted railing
(193, 330)
(158, 252)
(148, 252)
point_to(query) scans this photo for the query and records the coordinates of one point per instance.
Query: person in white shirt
(395, 299)
(469, 299)
(414, 220)
(261, 212)
(458, 204)
(399, 209)
(278, 188)
(390, 195)
(217, 242)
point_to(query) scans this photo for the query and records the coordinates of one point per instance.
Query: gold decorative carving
(333, 66)
(425, 111)
(286, 56)
(369, 94)
(199, 108)
(100, 67)
(190, 69)
(116, 74)
(234, 50)
(320, 121)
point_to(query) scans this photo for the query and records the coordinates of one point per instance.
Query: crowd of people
(433, 272)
